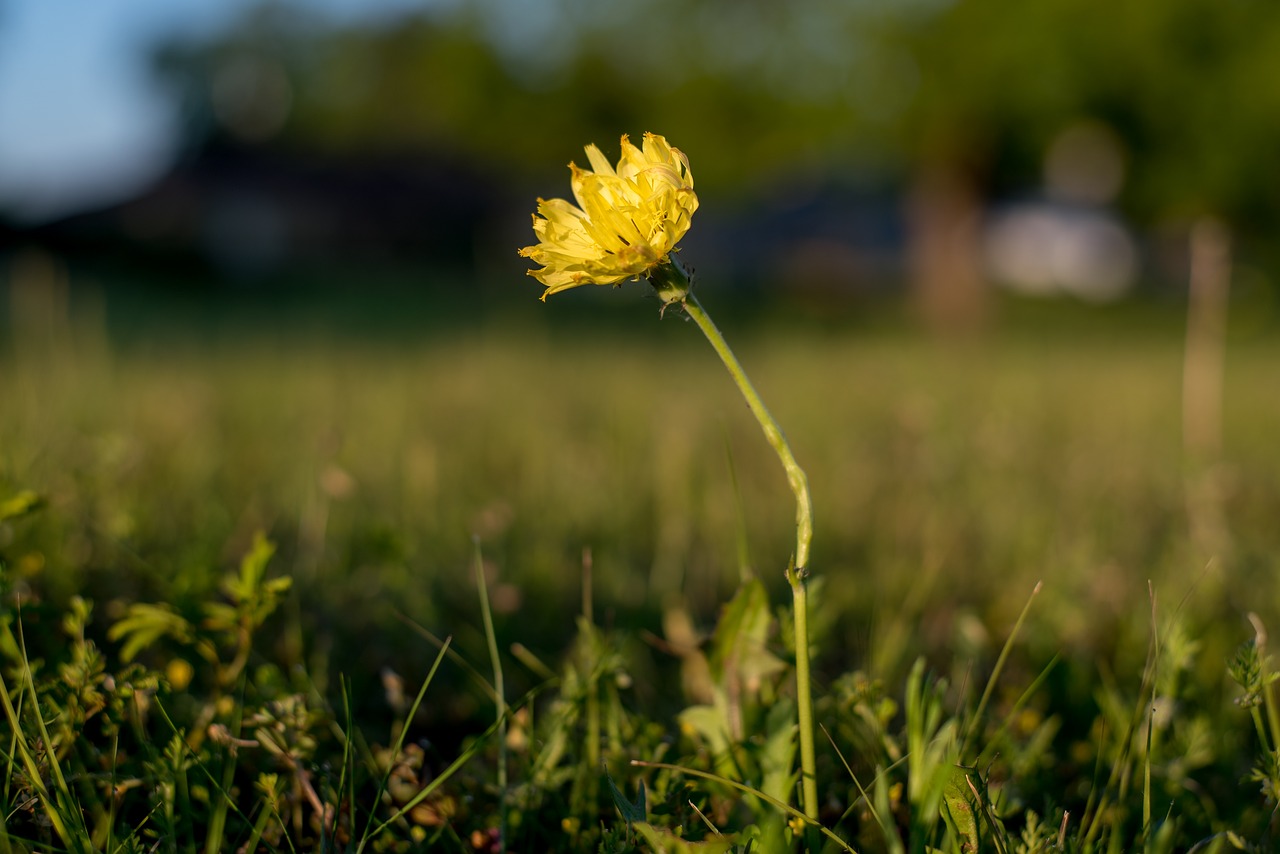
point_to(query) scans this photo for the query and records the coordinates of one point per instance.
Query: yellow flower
(626, 223)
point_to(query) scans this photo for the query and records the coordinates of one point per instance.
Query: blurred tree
(954, 101)
(469, 80)
(1187, 86)
(1191, 86)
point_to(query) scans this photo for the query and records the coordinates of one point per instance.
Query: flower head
(626, 223)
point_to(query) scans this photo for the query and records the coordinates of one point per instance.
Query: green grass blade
(32, 767)
(443, 645)
(890, 836)
(399, 745)
(743, 787)
(448, 772)
(499, 690)
(976, 720)
(225, 804)
(62, 803)
(988, 752)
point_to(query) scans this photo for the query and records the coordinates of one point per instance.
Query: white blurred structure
(1047, 248)
(1070, 242)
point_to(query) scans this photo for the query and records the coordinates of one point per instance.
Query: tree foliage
(762, 93)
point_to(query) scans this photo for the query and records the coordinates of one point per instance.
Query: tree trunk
(944, 228)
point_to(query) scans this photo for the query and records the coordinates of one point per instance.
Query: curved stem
(773, 433)
(798, 572)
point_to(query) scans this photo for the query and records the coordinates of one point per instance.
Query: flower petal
(626, 221)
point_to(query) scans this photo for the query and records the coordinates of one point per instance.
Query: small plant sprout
(626, 225)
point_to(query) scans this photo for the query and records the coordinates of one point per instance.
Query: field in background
(948, 479)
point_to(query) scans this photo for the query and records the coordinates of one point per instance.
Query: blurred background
(929, 150)
(258, 271)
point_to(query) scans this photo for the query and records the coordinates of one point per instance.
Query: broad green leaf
(959, 809)
(709, 723)
(740, 645)
(778, 758)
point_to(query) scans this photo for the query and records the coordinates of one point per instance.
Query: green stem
(795, 475)
(804, 699)
(798, 572)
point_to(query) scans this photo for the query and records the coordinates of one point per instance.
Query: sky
(81, 122)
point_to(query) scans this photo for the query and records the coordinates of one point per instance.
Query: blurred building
(248, 212)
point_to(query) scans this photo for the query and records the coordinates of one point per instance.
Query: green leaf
(777, 759)
(959, 810)
(663, 840)
(253, 567)
(965, 800)
(144, 624)
(740, 645)
(709, 723)
(631, 812)
(220, 617)
(21, 504)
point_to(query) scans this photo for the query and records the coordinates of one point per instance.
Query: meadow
(1020, 574)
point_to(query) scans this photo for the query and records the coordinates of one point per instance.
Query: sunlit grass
(947, 479)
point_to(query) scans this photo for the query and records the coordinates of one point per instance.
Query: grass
(1130, 710)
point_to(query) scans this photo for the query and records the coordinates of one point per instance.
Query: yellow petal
(626, 221)
(599, 163)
